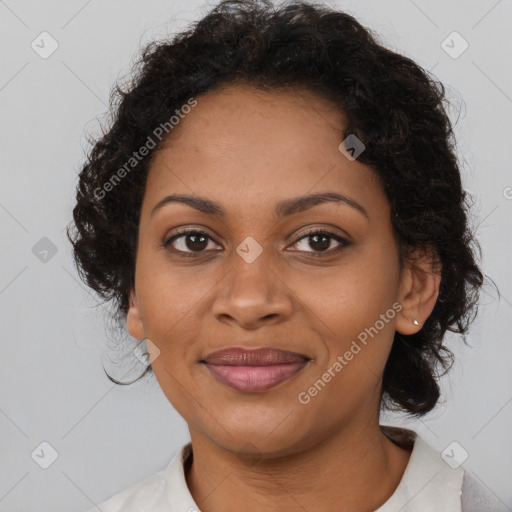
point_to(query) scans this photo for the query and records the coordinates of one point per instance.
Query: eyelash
(322, 232)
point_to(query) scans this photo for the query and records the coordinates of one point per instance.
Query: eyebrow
(283, 208)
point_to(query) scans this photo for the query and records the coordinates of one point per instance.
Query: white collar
(427, 485)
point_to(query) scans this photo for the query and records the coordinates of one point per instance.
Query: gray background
(53, 339)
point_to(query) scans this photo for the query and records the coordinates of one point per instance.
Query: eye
(320, 241)
(188, 241)
(191, 242)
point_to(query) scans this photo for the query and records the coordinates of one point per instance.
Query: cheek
(172, 299)
(352, 304)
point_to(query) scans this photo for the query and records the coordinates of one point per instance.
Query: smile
(254, 379)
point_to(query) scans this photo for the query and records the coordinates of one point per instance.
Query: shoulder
(430, 483)
(154, 492)
(477, 498)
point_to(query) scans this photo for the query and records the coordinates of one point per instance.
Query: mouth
(254, 370)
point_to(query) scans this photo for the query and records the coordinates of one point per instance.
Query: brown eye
(191, 241)
(320, 242)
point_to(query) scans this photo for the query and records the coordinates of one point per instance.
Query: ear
(418, 291)
(134, 318)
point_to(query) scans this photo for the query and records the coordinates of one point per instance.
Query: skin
(247, 150)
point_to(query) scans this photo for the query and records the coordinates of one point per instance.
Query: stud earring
(415, 322)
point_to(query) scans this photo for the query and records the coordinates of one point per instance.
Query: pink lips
(254, 371)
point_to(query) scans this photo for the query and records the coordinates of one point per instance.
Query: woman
(277, 210)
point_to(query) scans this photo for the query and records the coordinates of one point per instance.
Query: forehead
(241, 144)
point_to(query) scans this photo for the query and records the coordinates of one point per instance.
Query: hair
(396, 108)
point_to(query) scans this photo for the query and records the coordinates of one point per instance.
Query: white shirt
(428, 484)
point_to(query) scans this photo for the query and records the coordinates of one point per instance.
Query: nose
(253, 295)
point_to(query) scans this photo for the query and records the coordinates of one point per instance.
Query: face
(257, 275)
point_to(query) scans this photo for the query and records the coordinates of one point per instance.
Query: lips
(237, 356)
(254, 370)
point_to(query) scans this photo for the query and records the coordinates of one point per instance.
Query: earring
(415, 322)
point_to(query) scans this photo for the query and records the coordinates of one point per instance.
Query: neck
(354, 469)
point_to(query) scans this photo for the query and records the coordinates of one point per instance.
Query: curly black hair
(396, 108)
